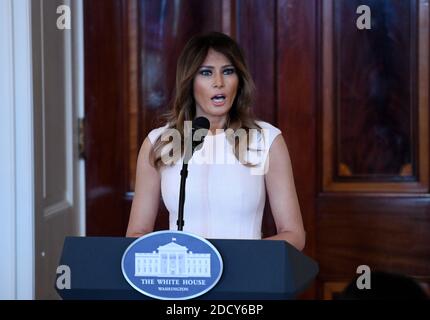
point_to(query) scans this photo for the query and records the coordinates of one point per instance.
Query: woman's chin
(218, 111)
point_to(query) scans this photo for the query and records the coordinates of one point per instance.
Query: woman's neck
(216, 123)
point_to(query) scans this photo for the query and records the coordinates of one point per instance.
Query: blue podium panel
(253, 270)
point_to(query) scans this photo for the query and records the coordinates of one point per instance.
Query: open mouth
(219, 98)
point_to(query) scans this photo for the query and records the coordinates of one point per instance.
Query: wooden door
(56, 166)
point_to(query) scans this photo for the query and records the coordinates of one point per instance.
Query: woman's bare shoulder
(154, 134)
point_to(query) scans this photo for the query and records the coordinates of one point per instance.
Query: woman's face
(215, 86)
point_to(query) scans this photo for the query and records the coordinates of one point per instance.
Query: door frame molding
(16, 138)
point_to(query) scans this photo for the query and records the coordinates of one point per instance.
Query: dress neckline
(213, 136)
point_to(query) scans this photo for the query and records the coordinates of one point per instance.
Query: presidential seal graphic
(172, 265)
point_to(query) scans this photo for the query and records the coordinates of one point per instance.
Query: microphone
(200, 130)
(198, 133)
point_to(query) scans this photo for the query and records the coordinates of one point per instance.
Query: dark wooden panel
(297, 97)
(296, 89)
(256, 27)
(390, 234)
(375, 91)
(375, 118)
(255, 24)
(103, 31)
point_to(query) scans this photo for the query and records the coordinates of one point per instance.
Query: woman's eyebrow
(212, 67)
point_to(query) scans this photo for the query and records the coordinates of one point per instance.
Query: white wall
(16, 145)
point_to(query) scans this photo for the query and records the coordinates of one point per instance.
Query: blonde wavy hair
(184, 105)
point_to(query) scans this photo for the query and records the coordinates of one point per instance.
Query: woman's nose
(218, 80)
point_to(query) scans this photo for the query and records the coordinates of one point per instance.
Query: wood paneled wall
(316, 77)
(373, 200)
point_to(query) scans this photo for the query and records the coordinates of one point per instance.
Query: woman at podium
(239, 161)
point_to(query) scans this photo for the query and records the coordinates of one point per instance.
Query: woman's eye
(229, 71)
(205, 72)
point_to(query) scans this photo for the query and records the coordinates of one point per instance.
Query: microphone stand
(184, 175)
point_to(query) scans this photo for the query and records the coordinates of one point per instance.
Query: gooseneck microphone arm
(198, 123)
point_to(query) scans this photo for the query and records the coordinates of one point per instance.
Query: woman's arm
(283, 197)
(146, 195)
